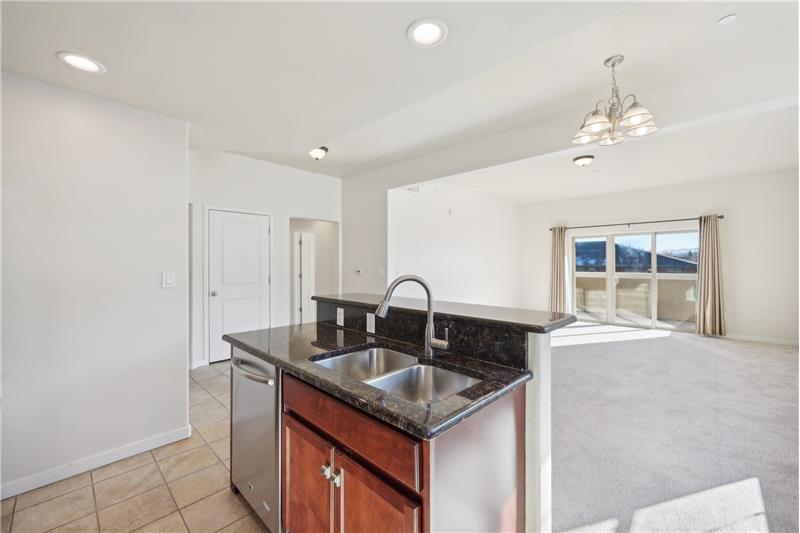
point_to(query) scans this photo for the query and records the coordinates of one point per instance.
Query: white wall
(232, 181)
(94, 350)
(759, 243)
(466, 245)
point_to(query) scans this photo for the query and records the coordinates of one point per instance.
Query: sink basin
(423, 383)
(366, 364)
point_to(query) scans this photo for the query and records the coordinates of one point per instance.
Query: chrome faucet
(431, 341)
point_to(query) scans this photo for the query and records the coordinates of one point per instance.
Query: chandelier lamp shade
(610, 122)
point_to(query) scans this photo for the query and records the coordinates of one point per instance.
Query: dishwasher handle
(239, 365)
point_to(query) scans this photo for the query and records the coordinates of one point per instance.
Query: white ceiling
(751, 144)
(272, 80)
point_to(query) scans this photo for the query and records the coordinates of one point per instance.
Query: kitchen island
(448, 453)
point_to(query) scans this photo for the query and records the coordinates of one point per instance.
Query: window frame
(572, 236)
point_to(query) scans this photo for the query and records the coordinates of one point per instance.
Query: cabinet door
(366, 504)
(307, 493)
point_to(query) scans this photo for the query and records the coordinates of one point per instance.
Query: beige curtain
(710, 309)
(558, 282)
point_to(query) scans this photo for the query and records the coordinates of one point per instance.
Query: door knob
(213, 293)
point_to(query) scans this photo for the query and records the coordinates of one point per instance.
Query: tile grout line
(177, 509)
(13, 512)
(50, 499)
(249, 512)
(91, 483)
(71, 521)
(94, 499)
(218, 462)
(131, 496)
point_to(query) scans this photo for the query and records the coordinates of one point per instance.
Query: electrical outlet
(340, 316)
(370, 322)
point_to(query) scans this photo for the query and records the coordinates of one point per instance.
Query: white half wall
(759, 243)
(231, 181)
(94, 350)
(465, 244)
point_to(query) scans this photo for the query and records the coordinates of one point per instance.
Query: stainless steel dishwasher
(256, 435)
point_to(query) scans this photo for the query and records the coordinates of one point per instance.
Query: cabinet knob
(325, 471)
(213, 293)
(251, 486)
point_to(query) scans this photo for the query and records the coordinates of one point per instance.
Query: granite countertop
(526, 319)
(294, 349)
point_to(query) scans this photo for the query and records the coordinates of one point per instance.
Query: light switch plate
(370, 322)
(339, 316)
(339, 338)
(167, 280)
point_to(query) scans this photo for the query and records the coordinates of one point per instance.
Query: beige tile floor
(180, 487)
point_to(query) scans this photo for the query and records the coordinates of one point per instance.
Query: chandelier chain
(614, 89)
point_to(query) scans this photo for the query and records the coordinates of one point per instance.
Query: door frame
(207, 208)
(297, 286)
(338, 223)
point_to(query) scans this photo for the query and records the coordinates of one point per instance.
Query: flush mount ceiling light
(427, 33)
(727, 19)
(318, 153)
(583, 160)
(605, 124)
(81, 62)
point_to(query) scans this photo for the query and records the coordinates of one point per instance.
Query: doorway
(315, 265)
(645, 279)
(238, 282)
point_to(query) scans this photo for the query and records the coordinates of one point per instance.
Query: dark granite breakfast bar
(493, 421)
(295, 350)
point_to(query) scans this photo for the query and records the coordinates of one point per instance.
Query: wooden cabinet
(365, 503)
(343, 471)
(325, 490)
(307, 492)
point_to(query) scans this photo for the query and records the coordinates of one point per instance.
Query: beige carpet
(673, 433)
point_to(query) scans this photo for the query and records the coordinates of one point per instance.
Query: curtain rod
(636, 223)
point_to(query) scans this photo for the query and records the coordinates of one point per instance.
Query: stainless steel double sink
(399, 374)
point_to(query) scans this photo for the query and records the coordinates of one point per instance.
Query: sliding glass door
(637, 279)
(591, 286)
(676, 279)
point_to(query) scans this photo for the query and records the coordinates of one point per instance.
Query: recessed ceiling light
(427, 33)
(318, 153)
(583, 160)
(81, 62)
(727, 19)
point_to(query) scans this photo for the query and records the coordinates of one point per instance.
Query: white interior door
(238, 277)
(304, 283)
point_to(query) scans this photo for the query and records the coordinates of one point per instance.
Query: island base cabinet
(363, 503)
(327, 491)
(307, 491)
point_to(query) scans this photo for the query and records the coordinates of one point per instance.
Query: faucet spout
(431, 341)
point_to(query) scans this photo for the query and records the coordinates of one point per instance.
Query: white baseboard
(768, 340)
(12, 488)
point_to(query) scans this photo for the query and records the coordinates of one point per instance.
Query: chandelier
(609, 123)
